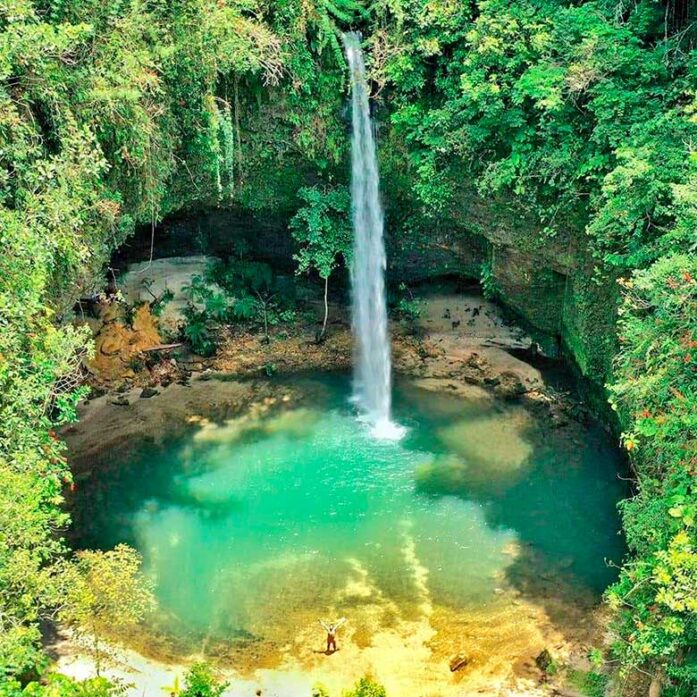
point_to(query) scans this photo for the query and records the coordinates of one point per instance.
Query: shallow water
(271, 520)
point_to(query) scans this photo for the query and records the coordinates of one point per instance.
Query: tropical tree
(322, 229)
(104, 594)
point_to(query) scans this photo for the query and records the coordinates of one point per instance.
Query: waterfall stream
(373, 370)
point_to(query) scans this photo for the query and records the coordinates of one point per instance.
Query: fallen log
(161, 347)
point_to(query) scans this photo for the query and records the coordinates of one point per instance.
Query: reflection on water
(261, 524)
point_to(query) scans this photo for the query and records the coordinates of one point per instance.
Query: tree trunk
(326, 309)
(97, 655)
(656, 686)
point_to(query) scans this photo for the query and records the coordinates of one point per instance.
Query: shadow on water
(557, 488)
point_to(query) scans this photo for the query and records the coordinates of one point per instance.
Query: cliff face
(548, 282)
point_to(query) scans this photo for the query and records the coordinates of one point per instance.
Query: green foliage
(366, 687)
(590, 684)
(201, 682)
(488, 281)
(655, 393)
(407, 308)
(254, 293)
(198, 331)
(582, 114)
(322, 229)
(108, 117)
(235, 291)
(103, 594)
(61, 686)
(557, 104)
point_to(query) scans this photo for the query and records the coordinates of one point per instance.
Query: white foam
(385, 429)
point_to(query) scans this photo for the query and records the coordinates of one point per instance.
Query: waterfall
(373, 369)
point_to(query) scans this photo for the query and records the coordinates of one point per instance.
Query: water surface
(293, 511)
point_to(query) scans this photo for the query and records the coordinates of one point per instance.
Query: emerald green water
(284, 515)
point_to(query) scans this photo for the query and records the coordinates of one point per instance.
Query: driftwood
(161, 347)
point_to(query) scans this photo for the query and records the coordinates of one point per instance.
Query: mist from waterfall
(372, 365)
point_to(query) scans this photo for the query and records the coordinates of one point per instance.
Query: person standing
(331, 630)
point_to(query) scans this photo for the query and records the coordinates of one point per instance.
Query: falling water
(372, 379)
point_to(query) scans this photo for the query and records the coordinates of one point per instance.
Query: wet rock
(148, 392)
(458, 661)
(96, 392)
(120, 401)
(510, 385)
(544, 660)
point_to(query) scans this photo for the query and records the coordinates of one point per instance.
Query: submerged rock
(148, 392)
(458, 661)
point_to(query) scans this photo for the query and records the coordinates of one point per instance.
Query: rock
(149, 392)
(558, 420)
(110, 345)
(96, 392)
(544, 660)
(111, 312)
(477, 362)
(510, 385)
(458, 661)
(121, 401)
(144, 321)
